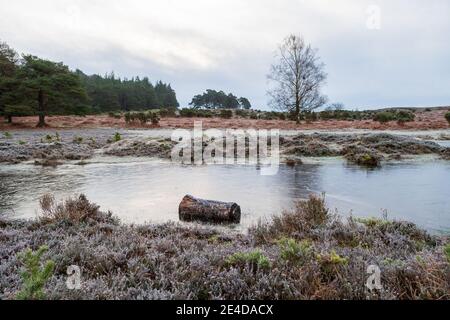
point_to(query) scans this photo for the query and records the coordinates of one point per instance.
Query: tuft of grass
(35, 274)
(48, 138)
(77, 140)
(21, 142)
(254, 259)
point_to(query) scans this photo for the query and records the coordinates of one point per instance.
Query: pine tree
(48, 86)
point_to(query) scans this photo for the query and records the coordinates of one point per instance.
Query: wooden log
(194, 209)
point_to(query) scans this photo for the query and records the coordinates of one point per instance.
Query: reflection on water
(144, 191)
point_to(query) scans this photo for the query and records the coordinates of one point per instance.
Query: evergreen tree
(48, 86)
(8, 83)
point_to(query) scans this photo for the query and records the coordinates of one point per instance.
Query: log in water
(194, 209)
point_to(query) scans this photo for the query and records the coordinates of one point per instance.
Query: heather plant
(35, 274)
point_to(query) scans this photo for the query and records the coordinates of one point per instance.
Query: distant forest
(109, 93)
(30, 85)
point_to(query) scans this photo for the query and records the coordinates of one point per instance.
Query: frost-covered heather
(304, 254)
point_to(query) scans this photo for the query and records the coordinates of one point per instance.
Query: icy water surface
(149, 191)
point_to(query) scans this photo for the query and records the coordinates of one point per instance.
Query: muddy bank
(307, 253)
(54, 147)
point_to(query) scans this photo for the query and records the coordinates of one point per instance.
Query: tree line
(30, 85)
(109, 93)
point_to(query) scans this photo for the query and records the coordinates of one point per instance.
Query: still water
(141, 191)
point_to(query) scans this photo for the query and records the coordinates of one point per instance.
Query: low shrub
(307, 215)
(384, 116)
(405, 116)
(167, 112)
(115, 115)
(73, 210)
(188, 113)
(226, 114)
(447, 117)
(142, 117)
(242, 113)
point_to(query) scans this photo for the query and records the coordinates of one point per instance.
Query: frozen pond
(141, 191)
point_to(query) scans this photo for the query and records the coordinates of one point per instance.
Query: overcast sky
(377, 53)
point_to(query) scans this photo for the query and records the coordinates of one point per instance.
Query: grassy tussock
(303, 254)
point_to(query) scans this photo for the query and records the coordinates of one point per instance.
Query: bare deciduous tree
(298, 76)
